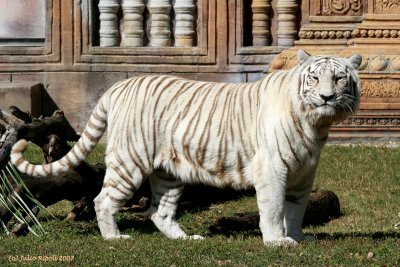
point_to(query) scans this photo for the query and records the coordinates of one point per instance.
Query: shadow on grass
(195, 198)
(373, 235)
(143, 227)
(376, 236)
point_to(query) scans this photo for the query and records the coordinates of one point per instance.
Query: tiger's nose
(327, 98)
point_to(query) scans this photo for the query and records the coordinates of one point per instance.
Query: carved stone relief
(370, 122)
(387, 6)
(384, 89)
(332, 34)
(376, 33)
(337, 7)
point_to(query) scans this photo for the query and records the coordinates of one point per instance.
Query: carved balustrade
(261, 30)
(287, 28)
(130, 29)
(185, 29)
(175, 22)
(109, 33)
(133, 30)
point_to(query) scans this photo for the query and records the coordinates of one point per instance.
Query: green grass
(366, 179)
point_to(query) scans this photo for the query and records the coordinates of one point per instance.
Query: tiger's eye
(340, 79)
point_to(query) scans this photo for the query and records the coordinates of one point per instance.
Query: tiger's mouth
(327, 104)
(327, 108)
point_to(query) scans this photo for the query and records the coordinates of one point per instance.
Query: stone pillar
(185, 33)
(287, 26)
(261, 22)
(133, 22)
(160, 31)
(109, 33)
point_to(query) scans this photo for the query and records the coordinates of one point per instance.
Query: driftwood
(82, 184)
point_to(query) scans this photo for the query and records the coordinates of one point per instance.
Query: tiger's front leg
(270, 188)
(295, 207)
(296, 201)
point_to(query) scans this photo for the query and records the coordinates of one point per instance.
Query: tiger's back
(174, 123)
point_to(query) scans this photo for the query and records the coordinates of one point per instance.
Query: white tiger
(266, 135)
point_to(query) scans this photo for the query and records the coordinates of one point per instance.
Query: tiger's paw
(302, 237)
(117, 237)
(196, 237)
(281, 242)
(193, 237)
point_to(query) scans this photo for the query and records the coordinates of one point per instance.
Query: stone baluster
(160, 30)
(261, 22)
(109, 32)
(185, 22)
(287, 26)
(133, 22)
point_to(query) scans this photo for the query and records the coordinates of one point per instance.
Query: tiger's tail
(94, 130)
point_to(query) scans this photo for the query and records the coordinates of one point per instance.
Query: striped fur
(266, 135)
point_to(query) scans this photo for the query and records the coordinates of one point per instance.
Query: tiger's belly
(189, 170)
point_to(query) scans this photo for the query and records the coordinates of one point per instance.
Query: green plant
(13, 191)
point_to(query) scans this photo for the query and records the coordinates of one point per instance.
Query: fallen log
(80, 185)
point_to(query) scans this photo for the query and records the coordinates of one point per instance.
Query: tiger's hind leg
(166, 192)
(118, 187)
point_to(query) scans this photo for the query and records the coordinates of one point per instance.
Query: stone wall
(90, 44)
(372, 29)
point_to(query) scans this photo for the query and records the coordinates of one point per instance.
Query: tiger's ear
(355, 60)
(302, 56)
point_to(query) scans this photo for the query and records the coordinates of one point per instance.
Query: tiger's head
(329, 87)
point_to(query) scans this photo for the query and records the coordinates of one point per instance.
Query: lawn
(366, 180)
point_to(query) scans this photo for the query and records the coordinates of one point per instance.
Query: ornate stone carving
(261, 22)
(160, 31)
(316, 34)
(109, 33)
(378, 63)
(133, 22)
(355, 121)
(283, 62)
(376, 33)
(384, 89)
(338, 7)
(371, 63)
(387, 6)
(287, 26)
(396, 63)
(185, 22)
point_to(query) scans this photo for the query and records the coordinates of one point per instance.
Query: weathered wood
(80, 185)
(26, 117)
